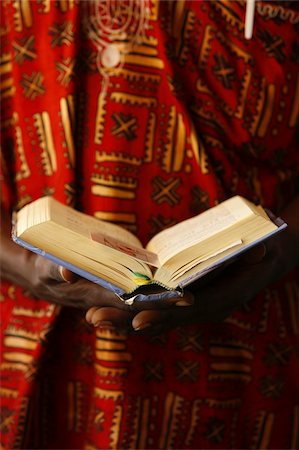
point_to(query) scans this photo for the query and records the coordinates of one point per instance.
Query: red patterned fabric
(195, 115)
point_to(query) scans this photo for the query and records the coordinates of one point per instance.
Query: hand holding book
(114, 258)
(228, 290)
(234, 286)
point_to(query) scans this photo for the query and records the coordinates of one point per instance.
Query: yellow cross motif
(187, 370)
(154, 371)
(223, 71)
(32, 85)
(24, 51)
(62, 34)
(66, 69)
(165, 191)
(125, 126)
(191, 341)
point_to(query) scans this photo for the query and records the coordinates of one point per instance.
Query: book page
(86, 225)
(174, 240)
(136, 252)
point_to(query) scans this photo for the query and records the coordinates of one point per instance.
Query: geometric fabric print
(99, 419)
(66, 70)
(263, 428)
(271, 387)
(62, 34)
(215, 429)
(277, 354)
(124, 126)
(6, 419)
(33, 85)
(165, 191)
(44, 132)
(273, 45)
(200, 200)
(192, 340)
(231, 361)
(223, 71)
(187, 371)
(153, 371)
(24, 49)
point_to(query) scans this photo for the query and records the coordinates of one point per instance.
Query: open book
(114, 258)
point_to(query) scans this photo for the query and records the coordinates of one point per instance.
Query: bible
(113, 257)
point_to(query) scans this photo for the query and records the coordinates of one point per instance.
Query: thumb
(66, 274)
(255, 254)
(47, 269)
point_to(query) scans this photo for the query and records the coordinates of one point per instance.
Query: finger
(89, 314)
(67, 275)
(48, 270)
(109, 317)
(254, 255)
(150, 319)
(186, 300)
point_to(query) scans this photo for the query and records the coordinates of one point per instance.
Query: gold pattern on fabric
(166, 190)
(76, 405)
(137, 77)
(199, 151)
(62, 34)
(8, 393)
(171, 419)
(111, 372)
(7, 86)
(23, 14)
(227, 361)
(131, 99)
(10, 122)
(24, 171)
(66, 5)
(33, 85)
(116, 187)
(227, 12)
(67, 118)
(66, 69)
(18, 357)
(111, 347)
(194, 422)
(267, 110)
(125, 218)
(46, 142)
(263, 429)
(5, 63)
(116, 426)
(105, 393)
(21, 343)
(176, 132)
(234, 48)
(24, 50)
(38, 313)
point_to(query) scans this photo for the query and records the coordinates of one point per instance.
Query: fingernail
(61, 273)
(187, 300)
(142, 326)
(103, 324)
(183, 303)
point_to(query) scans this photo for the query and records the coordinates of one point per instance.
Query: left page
(105, 233)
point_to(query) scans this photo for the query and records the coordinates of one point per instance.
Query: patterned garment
(193, 114)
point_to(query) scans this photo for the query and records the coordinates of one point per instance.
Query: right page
(178, 238)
